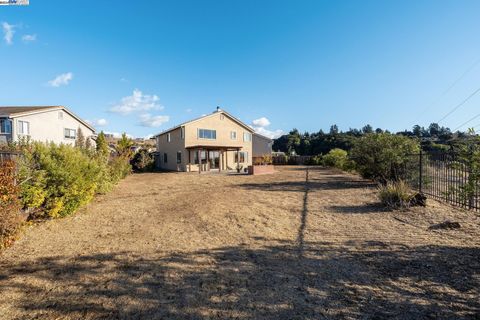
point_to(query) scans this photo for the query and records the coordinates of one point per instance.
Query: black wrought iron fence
(444, 176)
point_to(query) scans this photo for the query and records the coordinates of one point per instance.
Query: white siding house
(46, 124)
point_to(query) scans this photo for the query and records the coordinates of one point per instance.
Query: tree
(124, 146)
(434, 129)
(367, 129)
(294, 140)
(417, 131)
(102, 146)
(334, 130)
(80, 141)
(382, 157)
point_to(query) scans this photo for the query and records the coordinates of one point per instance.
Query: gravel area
(298, 244)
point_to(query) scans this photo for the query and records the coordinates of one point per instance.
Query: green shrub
(9, 203)
(338, 158)
(143, 161)
(395, 195)
(58, 179)
(383, 156)
(119, 168)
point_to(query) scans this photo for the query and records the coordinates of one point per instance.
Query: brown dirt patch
(189, 246)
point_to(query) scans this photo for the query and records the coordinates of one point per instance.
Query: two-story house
(46, 124)
(215, 142)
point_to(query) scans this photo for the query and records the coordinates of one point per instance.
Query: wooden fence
(291, 160)
(8, 155)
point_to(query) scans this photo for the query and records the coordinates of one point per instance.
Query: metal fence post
(420, 168)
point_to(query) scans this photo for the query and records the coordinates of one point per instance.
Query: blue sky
(144, 66)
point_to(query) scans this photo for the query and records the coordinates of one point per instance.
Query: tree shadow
(375, 280)
(327, 181)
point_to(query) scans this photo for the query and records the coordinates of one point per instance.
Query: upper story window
(60, 115)
(182, 132)
(5, 126)
(222, 116)
(247, 136)
(207, 134)
(233, 135)
(23, 128)
(169, 137)
(70, 133)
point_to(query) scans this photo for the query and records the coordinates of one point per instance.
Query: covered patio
(205, 158)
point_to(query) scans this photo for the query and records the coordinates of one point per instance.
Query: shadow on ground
(325, 181)
(269, 282)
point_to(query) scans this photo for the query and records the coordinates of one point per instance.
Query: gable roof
(16, 111)
(206, 116)
(262, 136)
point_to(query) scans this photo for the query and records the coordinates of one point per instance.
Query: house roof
(206, 116)
(262, 136)
(16, 111)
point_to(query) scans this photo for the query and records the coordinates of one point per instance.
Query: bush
(143, 161)
(58, 179)
(384, 156)
(335, 158)
(395, 195)
(9, 203)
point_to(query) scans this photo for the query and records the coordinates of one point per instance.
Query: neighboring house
(261, 145)
(215, 142)
(46, 124)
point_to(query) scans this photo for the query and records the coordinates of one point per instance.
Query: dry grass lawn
(286, 246)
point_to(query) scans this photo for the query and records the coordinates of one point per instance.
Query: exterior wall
(261, 146)
(171, 148)
(48, 127)
(223, 125)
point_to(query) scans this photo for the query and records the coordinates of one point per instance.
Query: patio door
(214, 159)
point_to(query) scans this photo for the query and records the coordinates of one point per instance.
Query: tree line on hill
(433, 138)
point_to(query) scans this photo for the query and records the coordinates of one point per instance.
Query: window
(60, 115)
(179, 156)
(169, 137)
(233, 135)
(207, 134)
(5, 126)
(203, 156)
(23, 128)
(165, 159)
(222, 117)
(243, 156)
(182, 132)
(247, 136)
(70, 133)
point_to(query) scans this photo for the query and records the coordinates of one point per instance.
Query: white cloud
(136, 102)
(98, 122)
(260, 126)
(123, 80)
(149, 136)
(29, 38)
(272, 134)
(147, 120)
(261, 122)
(8, 31)
(188, 110)
(61, 80)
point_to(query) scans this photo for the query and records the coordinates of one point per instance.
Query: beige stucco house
(46, 124)
(215, 142)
